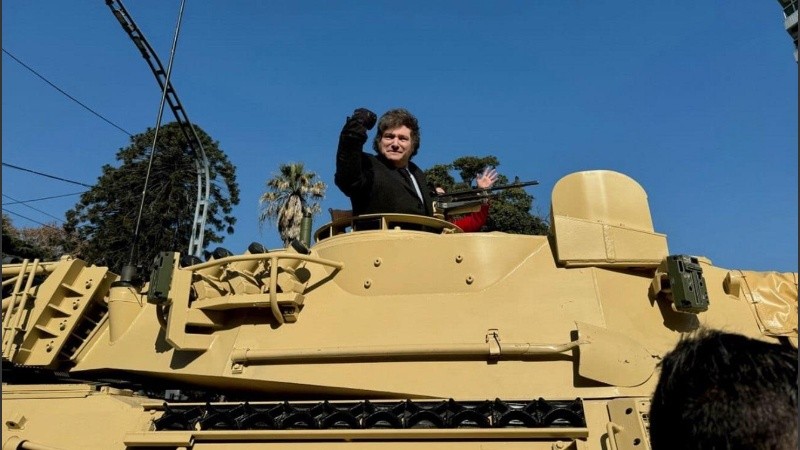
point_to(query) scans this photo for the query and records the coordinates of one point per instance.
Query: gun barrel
(455, 196)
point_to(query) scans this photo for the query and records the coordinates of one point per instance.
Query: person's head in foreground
(726, 391)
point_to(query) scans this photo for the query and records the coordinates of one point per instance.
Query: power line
(28, 218)
(42, 198)
(46, 175)
(35, 209)
(69, 96)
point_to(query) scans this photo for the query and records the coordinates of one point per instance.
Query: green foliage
(13, 245)
(469, 167)
(290, 194)
(510, 210)
(45, 243)
(439, 176)
(104, 219)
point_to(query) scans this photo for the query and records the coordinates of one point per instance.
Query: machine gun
(469, 200)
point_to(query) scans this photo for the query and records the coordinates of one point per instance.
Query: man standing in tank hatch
(389, 182)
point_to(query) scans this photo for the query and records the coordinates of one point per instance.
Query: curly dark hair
(395, 118)
(722, 390)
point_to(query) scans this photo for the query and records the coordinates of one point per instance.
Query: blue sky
(697, 101)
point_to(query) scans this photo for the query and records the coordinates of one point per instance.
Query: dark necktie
(407, 176)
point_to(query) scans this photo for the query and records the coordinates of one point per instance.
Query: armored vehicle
(388, 331)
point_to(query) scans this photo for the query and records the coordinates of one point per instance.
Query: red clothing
(473, 221)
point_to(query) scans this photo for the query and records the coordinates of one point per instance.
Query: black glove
(365, 117)
(357, 125)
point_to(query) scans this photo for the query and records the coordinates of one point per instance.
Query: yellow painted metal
(42, 327)
(772, 297)
(602, 218)
(410, 309)
(613, 358)
(194, 437)
(124, 304)
(13, 326)
(629, 427)
(487, 350)
(71, 417)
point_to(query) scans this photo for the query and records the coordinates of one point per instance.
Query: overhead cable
(69, 96)
(46, 175)
(17, 202)
(31, 207)
(28, 218)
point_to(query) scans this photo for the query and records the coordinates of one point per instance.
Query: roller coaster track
(195, 146)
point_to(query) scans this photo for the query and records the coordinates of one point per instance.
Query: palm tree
(291, 194)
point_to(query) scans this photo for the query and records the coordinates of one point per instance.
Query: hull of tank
(86, 417)
(391, 331)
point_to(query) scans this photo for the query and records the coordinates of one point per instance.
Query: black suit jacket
(374, 185)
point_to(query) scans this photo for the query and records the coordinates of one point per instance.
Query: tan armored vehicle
(389, 331)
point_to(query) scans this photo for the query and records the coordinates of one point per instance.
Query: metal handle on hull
(611, 430)
(404, 352)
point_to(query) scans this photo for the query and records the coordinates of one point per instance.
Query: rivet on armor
(377, 262)
(367, 284)
(459, 258)
(470, 279)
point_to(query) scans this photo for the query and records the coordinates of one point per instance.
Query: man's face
(396, 145)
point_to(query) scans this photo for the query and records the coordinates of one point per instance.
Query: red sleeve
(473, 221)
